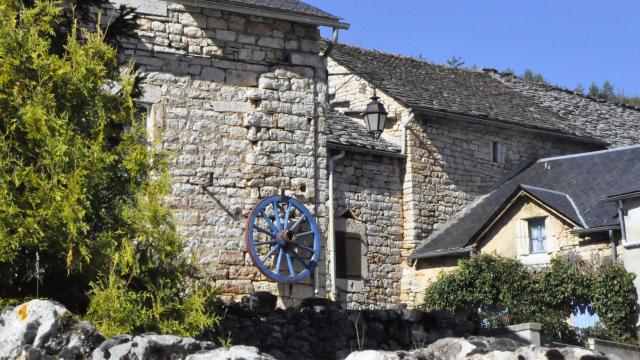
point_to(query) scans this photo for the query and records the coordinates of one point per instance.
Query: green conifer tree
(81, 194)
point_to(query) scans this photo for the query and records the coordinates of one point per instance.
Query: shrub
(82, 219)
(494, 291)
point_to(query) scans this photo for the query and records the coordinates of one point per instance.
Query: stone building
(236, 92)
(556, 206)
(251, 102)
(460, 133)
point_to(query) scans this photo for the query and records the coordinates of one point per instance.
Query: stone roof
(572, 185)
(616, 123)
(275, 8)
(427, 87)
(346, 133)
(289, 5)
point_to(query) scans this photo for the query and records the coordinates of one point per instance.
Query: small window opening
(537, 236)
(497, 152)
(348, 255)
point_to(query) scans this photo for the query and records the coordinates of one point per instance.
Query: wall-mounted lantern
(375, 117)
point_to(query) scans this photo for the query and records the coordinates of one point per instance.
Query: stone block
(271, 42)
(231, 106)
(300, 58)
(213, 74)
(225, 35)
(230, 257)
(259, 29)
(258, 120)
(242, 78)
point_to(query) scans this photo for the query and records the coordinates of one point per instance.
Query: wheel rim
(282, 239)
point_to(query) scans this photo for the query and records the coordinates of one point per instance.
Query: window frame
(497, 152)
(541, 222)
(341, 237)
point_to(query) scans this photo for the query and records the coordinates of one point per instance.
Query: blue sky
(568, 41)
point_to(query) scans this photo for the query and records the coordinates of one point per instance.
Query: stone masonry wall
(239, 103)
(369, 188)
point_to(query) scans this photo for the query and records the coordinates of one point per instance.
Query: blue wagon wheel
(283, 239)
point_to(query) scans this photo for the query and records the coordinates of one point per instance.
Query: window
(537, 236)
(348, 255)
(497, 152)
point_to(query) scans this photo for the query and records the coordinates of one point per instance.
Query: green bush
(494, 291)
(82, 219)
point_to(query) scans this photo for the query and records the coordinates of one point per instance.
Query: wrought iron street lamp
(375, 117)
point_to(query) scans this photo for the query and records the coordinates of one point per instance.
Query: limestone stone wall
(238, 101)
(368, 201)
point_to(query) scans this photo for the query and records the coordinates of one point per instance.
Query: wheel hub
(284, 237)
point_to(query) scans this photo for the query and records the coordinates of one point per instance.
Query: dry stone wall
(238, 101)
(368, 200)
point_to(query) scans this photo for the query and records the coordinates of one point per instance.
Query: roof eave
(443, 253)
(595, 230)
(503, 124)
(625, 196)
(365, 150)
(255, 10)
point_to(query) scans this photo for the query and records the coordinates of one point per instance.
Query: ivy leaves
(494, 291)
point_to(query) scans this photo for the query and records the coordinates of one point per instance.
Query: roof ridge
(560, 88)
(590, 153)
(406, 57)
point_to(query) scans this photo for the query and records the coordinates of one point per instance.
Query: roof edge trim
(503, 124)
(364, 150)
(588, 153)
(573, 204)
(269, 13)
(443, 253)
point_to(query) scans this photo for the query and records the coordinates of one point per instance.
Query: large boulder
(480, 348)
(238, 352)
(41, 329)
(149, 346)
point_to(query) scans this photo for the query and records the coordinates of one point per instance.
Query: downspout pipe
(332, 237)
(404, 127)
(623, 228)
(614, 250)
(332, 44)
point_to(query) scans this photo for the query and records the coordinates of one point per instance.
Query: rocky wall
(44, 330)
(238, 101)
(368, 200)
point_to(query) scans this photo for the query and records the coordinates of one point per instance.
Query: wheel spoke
(295, 226)
(286, 216)
(274, 229)
(290, 264)
(277, 270)
(271, 253)
(303, 247)
(263, 243)
(304, 233)
(263, 231)
(276, 214)
(297, 257)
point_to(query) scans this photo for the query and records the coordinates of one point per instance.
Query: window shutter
(522, 238)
